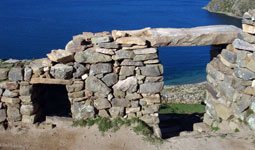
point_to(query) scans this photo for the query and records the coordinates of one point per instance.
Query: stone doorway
(52, 100)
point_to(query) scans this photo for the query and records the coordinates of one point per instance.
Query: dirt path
(124, 139)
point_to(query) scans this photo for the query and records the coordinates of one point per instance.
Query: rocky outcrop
(235, 8)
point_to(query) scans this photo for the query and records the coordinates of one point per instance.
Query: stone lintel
(49, 81)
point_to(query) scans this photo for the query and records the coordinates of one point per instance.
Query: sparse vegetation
(167, 108)
(106, 124)
(215, 128)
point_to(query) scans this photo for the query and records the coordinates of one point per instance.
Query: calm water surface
(31, 28)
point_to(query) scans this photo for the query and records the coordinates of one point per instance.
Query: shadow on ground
(172, 124)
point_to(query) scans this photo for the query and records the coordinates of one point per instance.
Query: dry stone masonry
(109, 77)
(230, 102)
(115, 74)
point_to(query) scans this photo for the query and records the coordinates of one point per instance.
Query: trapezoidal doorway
(52, 100)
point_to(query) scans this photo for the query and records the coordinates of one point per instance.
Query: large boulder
(61, 56)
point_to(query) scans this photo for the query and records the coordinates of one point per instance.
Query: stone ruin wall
(114, 74)
(230, 102)
(104, 74)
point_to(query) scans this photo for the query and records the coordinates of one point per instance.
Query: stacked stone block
(110, 75)
(230, 102)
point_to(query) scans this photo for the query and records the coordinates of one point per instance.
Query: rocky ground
(187, 94)
(75, 138)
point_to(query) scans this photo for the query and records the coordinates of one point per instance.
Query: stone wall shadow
(173, 124)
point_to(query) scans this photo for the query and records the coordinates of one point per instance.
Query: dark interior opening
(52, 99)
(172, 125)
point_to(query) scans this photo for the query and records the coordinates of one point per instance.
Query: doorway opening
(52, 99)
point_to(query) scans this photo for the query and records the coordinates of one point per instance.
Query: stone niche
(96, 74)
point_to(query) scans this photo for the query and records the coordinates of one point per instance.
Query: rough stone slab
(223, 111)
(110, 79)
(10, 100)
(129, 84)
(243, 45)
(150, 109)
(29, 109)
(61, 56)
(124, 54)
(129, 62)
(145, 51)
(109, 45)
(105, 51)
(2, 115)
(120, 102)
(133, 47)
(154, 61)
(133, 96)
(201, 127)
(127, 70)
(91, 56)
(117, 111)
(104, 39)
(151, 70)
(95, 85)
(100, 68)
(79, 70)
(244, 73)
(229, 56)
(102, 103)
(13, 112)
(117, 34)
(30, 119)
(27, 73)
(75, 46)
(75, 87)
(151, 120)
(61, 71)
(207, 35)
(11, 94)
(49, 81)
(131, 41)
(82, 111)
(9, 85)
(132, 110)
(16, 74)
(103, 113)
(151, 88)
(151, 99)
(248, 28)
(4, 73)
(37, 65)
(26, 99)
(145, 57)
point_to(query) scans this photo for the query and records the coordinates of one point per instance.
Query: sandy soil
(61, 138)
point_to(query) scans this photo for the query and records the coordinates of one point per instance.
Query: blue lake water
(31, 28)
